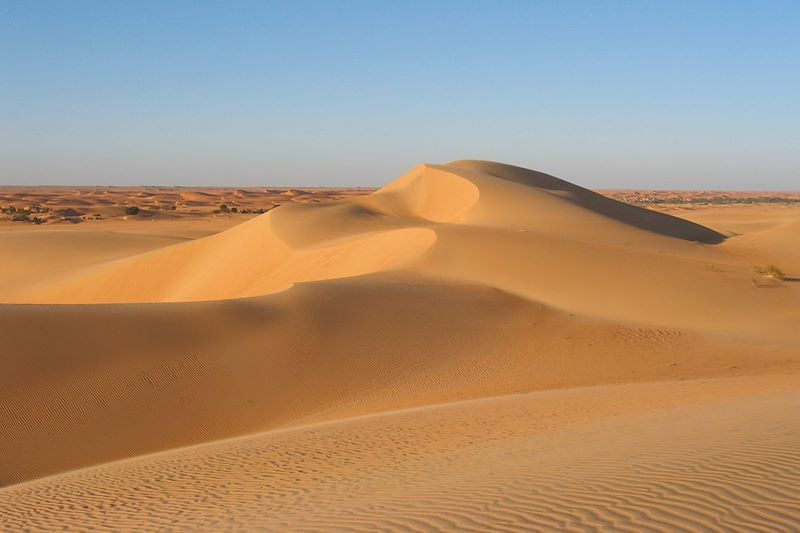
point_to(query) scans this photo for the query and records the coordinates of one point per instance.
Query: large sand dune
(522, 231)
(475, 346)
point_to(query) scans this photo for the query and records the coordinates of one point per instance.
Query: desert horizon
(46, 204)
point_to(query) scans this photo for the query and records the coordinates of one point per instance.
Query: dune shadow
(639, 217)
(652, 221)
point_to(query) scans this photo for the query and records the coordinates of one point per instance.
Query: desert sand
(74, 205)
(473, 347)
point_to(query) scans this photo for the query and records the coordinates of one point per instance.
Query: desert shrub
(234, 210)
(131, 210)
(772, 271)
(223, 208)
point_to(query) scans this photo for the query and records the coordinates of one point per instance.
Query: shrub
(132, 210)
(771, 271)
(223, 208)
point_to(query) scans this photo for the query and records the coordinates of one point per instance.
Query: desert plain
(473, 347)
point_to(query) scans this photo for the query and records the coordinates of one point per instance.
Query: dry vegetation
(771, 271)
(53, 205)
(701, 198)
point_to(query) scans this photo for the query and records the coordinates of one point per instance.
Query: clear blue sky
(639, 93)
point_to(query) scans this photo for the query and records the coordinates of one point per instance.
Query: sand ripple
(486, 465)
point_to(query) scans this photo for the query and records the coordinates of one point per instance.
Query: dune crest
(429, 192)
(591, 201)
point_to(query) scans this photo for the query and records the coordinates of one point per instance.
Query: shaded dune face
(644, 219)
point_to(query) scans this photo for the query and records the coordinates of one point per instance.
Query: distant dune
(473, 347)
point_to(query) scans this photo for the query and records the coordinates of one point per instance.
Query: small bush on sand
(131, 210)
(771, 271)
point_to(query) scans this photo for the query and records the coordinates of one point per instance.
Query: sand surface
(474, 347)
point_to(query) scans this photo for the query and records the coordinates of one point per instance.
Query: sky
(607, 94)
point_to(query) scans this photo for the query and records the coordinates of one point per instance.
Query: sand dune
(204, 371)
(522, 231)
(710, 460)
(461, 195)
(474, 346)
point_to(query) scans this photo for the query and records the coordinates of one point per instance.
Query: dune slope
(109, 381)
(704, 456)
